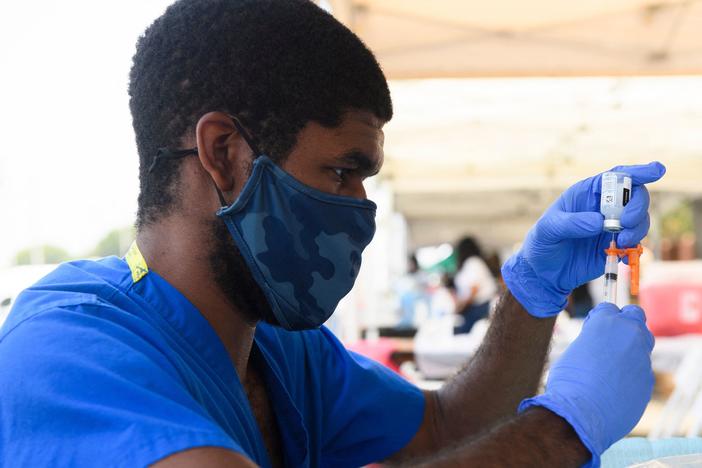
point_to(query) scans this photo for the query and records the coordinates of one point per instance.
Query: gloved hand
(565, 248)
(604, 380)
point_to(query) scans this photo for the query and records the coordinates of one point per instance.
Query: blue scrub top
(102, 368)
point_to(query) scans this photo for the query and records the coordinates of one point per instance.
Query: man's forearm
(506, 369)
(537, 437)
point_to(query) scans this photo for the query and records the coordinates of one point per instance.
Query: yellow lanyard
(136, 262)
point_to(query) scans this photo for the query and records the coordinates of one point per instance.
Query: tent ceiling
(454, 136)
(469, 38)
(488, 156)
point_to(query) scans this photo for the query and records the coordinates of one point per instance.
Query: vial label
(627, 191)
(609, 189)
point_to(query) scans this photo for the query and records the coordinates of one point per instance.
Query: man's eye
(341, 173)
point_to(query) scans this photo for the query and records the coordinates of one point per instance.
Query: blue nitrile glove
(604, 380)
(565, 248)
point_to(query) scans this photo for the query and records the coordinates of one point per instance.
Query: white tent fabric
(468, 38)
(487, 156)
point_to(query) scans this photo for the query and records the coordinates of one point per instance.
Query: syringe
(616, 192)
(611, 271)
(612, 267)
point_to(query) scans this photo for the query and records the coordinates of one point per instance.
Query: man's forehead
(364, 132)
(358, 139)
(361, 121)
(363, 127)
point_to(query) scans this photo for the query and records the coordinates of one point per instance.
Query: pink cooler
(671, 295)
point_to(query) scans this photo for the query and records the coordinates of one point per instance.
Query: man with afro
(257, 123)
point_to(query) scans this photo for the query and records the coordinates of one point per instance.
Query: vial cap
(612, 225)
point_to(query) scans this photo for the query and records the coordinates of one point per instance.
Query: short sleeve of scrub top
(360, 412)
(96, 369)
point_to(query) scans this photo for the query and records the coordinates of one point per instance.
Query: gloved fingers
(643, 173)
(636, 313)
(635, 211)
(603, 308)
(631, 237)
(560, 225)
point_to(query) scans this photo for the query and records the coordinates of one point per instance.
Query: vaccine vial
(616, 192)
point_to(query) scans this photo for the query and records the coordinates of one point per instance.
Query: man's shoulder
(70, 286)
(79, 317)
(88, 372)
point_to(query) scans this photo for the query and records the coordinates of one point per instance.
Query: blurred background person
(475, 285)
(443, 299)
(412, 292)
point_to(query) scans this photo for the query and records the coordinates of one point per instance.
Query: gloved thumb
(634, 312)
(560, 225)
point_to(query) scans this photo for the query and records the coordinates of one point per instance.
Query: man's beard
(234, 278)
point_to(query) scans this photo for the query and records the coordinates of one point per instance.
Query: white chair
(685, 401)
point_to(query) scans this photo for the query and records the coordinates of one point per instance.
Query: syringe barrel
(610, 277)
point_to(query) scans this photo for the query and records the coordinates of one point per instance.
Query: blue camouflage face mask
(303, 246)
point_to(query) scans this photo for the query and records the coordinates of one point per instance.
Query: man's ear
(220, 148)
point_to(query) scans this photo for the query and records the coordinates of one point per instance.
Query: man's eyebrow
(361, 162)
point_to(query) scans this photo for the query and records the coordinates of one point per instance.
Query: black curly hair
(276, 64)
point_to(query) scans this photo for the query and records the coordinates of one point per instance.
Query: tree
(115, 242)
(678, 221)
(42, 254)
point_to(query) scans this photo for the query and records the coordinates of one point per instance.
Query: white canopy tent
(468, 38)
(487, 155)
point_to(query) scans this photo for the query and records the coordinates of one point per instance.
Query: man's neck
(181, 258)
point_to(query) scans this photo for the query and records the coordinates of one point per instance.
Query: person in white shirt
(475, 285)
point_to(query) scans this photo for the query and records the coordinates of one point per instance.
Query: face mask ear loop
(222, 201)
(245, 135)
(165, 153)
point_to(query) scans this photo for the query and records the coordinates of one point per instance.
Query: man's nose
(357, 190)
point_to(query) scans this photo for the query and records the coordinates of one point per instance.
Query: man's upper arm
(78, 387)
(425, 441)
(369, 411)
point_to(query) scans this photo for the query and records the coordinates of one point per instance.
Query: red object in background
(673, 309)
(379, 350)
